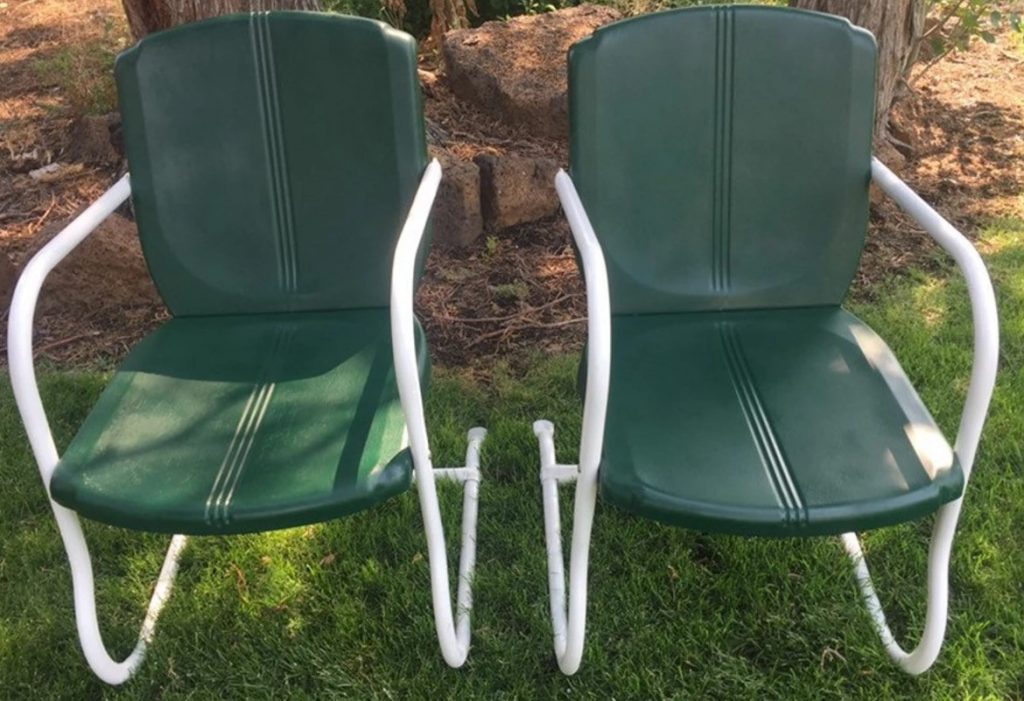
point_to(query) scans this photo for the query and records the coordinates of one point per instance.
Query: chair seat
(779, 422)
(244, 423)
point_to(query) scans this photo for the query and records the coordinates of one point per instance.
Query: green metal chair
(720, 162)
(281, 188)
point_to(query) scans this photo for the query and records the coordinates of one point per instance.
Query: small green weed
(83, 72)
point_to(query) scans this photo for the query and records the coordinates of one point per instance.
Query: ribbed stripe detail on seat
(218, 504)
(273, 143)
(768, 445)
(725, 53)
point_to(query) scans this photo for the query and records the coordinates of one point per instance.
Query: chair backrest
(723, 155)
(273, 159)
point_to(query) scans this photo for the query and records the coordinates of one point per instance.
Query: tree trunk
(145, 16)
(897, 26)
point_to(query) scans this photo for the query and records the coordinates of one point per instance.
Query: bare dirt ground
(515, 293)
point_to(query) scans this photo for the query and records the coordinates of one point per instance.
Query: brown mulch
(34, 121)
(513, 294)
(962, 124)
(100, 301)
(516, 292)
(518, 295)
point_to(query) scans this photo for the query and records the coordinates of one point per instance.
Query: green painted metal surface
(723, 156)
(774, 422)
(273, 159)
(244, 423)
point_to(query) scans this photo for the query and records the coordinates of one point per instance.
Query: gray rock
(456, 217)
(516, 189)
(516, 70)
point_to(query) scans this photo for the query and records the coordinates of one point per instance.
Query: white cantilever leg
(105, 667)
(924, 655)
(569, 625)
(452, 634)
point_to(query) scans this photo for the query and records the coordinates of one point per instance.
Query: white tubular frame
(979, 393)
(453, 633)
(569, 631)
(570, 626)
(26, 394)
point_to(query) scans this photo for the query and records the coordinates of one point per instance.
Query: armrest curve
(599, 324)
(403, 288)
(983, 308)
(22, 316)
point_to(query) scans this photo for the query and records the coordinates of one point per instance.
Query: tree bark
(146, 16)
(897, 26)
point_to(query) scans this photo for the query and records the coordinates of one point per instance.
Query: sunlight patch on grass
(930, 301)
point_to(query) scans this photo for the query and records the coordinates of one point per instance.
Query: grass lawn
(343, 609)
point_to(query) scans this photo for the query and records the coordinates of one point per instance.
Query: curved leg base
(453, 632)
(568, 622)
(105, 667)
(922, 657)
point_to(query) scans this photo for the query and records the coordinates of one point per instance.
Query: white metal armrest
(599, 323)
(403, 321)
(23, 307)
(983, 308)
